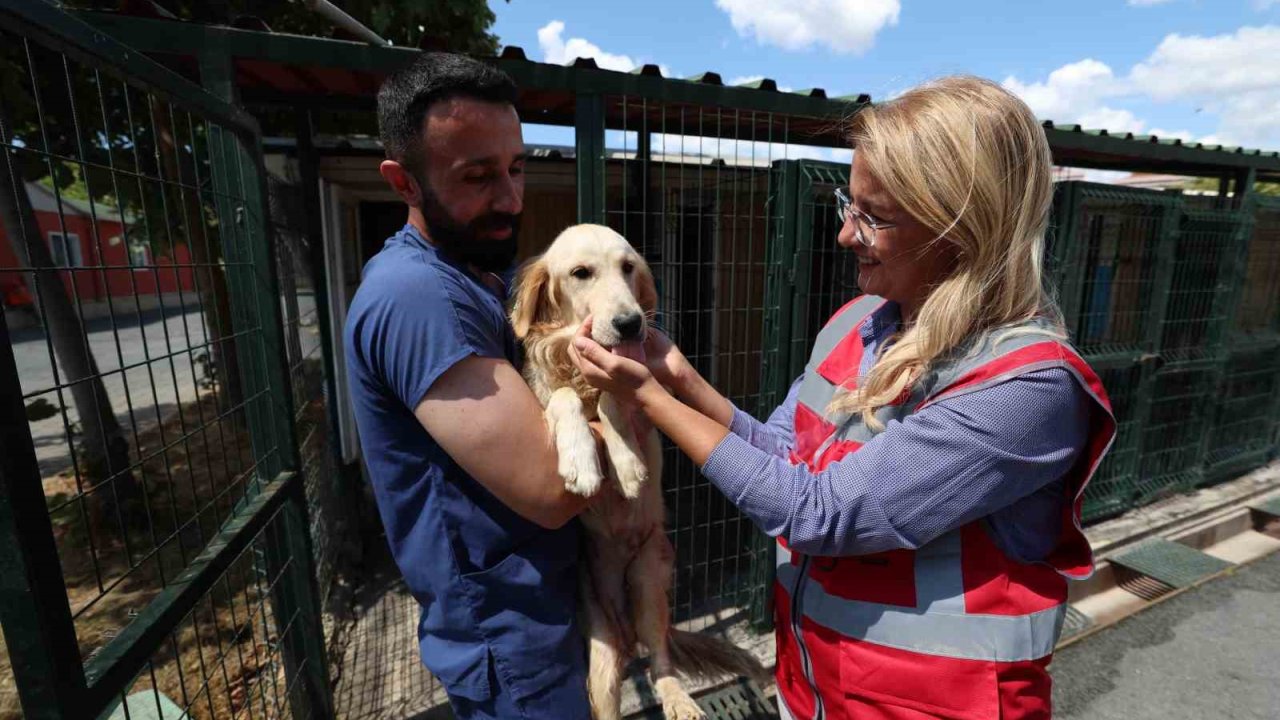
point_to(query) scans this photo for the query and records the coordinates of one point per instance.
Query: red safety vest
(955, 629)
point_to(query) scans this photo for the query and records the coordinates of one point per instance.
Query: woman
(924, 475)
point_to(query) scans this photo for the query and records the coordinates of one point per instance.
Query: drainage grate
(1270, 507)
(1170, 563)
(741, 700)
(1075, 623)
(1147, 588)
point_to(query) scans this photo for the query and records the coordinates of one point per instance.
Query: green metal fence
(153, 527)
(688, 186)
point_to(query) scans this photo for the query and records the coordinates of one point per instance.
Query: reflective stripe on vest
(997, 638)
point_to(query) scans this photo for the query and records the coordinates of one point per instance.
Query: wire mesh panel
(688, 186)
(1112, 255)
(145, 398)
(1114, 487)
(1257, 314)
(1173, 435)
(1244, 418)
(1198, 312)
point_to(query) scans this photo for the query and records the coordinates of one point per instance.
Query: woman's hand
(623, 378)
(668, 365)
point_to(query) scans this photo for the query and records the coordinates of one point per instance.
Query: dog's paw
(578, 465)
(676, 703)
(632, 475)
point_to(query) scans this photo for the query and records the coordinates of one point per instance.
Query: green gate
(153, 527)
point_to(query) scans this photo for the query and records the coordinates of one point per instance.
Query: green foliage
(1211, 185)
(454, 25)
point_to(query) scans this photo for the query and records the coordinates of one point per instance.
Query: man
(462, 465)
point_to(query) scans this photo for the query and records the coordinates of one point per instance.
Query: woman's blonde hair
(968, 159)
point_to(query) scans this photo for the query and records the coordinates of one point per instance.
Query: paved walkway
(1213, 652)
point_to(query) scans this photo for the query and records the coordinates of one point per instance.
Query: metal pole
(338, 17)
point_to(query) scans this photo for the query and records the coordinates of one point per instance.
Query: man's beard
(468, 243)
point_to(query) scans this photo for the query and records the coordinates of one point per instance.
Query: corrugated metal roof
(292, 70)
(1156, 140)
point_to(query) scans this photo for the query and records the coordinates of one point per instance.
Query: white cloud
(1265, 4)
(1116, 121)
(1233, 76)
(845, 26)
(743, 80)
(559, 51)
(1222, 65)
(1067, 90)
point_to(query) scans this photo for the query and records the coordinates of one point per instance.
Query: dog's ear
(534, 302)
(646, 291)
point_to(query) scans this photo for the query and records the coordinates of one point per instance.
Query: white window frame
(70, 255)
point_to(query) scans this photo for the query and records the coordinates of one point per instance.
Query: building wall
(103, 264)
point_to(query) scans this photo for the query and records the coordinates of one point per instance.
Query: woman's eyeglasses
(865, 226)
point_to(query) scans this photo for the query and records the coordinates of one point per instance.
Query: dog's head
(588, 270)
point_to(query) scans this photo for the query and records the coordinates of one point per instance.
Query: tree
(453, 25)
(1211, 185)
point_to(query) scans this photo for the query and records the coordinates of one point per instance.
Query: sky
(1202, 70)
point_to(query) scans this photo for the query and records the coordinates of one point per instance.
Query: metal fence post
(589, 142)
(38, 629)
(256, 300)
(298, 589)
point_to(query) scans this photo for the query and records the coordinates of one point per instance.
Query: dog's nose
(628, 326)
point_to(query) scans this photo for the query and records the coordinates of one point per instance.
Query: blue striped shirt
(1001, 453)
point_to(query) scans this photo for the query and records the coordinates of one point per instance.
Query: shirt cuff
(727, 464)
(741, 423)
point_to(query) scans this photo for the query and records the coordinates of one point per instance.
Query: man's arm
(487, 419)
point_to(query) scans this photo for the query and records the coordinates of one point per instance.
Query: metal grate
(741, 700)
(1173, 564)
(1147, 588)
(1074, 623)
(1271, 507)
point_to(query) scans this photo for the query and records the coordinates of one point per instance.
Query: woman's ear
(533, 300)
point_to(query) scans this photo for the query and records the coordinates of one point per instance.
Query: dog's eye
(627, 267)
(582, 273)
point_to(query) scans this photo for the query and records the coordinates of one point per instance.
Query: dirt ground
(224, 659)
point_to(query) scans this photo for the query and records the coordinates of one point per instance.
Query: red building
(97, 258)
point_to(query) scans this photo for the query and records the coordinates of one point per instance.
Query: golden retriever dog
(628, 561)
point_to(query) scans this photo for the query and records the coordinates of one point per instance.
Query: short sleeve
(410, 324)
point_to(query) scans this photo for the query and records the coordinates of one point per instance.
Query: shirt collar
(506, 277)
(882, 322)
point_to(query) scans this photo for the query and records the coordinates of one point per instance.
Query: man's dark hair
(405, 97)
